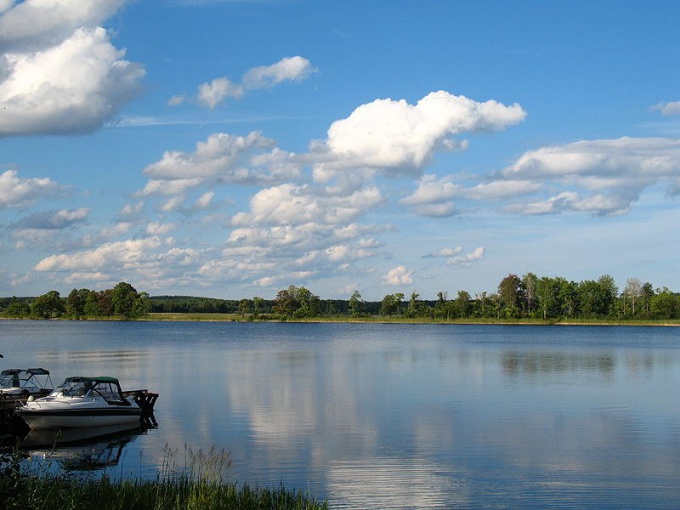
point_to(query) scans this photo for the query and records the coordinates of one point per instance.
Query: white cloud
(599, 176)
(220, 160)
(205, 200)
(388, 134)
(668, 109)
(215, 92)
(445, 252)
(398, 276)
(226, 157)
(292, 204)
(287, 69)
(130, 253)
(598, 204)
(35, 24)
(432, 190)
(266, 255)
(159, 229)
(474, 256)
(18, 192)
(53, 220)
(61, 72)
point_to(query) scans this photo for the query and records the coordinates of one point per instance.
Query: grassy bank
(68, 493)
(379, 319)
(200, 486)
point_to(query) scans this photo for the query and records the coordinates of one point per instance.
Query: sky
(233, 148)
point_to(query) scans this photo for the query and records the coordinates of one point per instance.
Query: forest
(516, 298)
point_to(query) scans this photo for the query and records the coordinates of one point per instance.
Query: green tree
(127, 302)
(390, 304)
(17, 309)
(547, 291)
(567, 297)
(309, 304)
(441, 307)
(665, 305)
(510, 295)
(609, 293)
(646, 295)
(412, 309)
(462, 305)
(48, 305)
(258, 303)
(356, 304)
(245, 306)
(75, 303)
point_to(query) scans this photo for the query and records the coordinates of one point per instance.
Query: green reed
(200, 486)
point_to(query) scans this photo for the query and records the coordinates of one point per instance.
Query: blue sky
(234, 148)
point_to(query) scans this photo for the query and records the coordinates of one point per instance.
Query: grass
(201, 487)
(379, 319)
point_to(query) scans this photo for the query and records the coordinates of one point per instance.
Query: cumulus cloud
(286, 69)
(36, 24)
(598, 204)
(225, 157)
(468, 258)
(599, 176)
(264, 255)
(668, 109)
(445, 252)
(221, 159)
(213, 93)
(294, 204)
(434, 195)
(129, 253)
(53, 220)
(398, 276)
(18, 192)
(60, 72)
(395, 135)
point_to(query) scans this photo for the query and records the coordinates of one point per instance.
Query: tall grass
(200, 486)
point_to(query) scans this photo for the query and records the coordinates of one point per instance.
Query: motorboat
(81, 402)
(21, 383)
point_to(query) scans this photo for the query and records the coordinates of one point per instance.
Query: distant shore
(376, 319)
(373, 319)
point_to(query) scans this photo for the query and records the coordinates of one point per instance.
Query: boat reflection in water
(82, 449)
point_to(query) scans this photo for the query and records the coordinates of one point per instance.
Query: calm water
(395, 416)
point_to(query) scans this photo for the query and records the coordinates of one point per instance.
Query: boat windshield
(74, 388)
(89, 387)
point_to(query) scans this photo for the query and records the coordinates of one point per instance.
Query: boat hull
(74, 418)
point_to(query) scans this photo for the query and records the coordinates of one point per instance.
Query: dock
(146, 401)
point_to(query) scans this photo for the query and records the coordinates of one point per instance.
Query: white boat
(81, 402)
(21, 383)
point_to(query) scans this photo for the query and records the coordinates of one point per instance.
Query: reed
(200, 487)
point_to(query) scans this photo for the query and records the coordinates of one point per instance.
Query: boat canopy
(107, 387)
(97, 379)
(29, 371)
(32, 379)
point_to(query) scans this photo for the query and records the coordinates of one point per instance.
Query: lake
(373, 416)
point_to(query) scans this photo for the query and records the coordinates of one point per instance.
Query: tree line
(121, 301)
(526, 297)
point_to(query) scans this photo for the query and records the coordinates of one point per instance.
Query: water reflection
(89, 449)
(531, 363)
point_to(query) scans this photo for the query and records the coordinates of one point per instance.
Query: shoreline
(221, 317)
